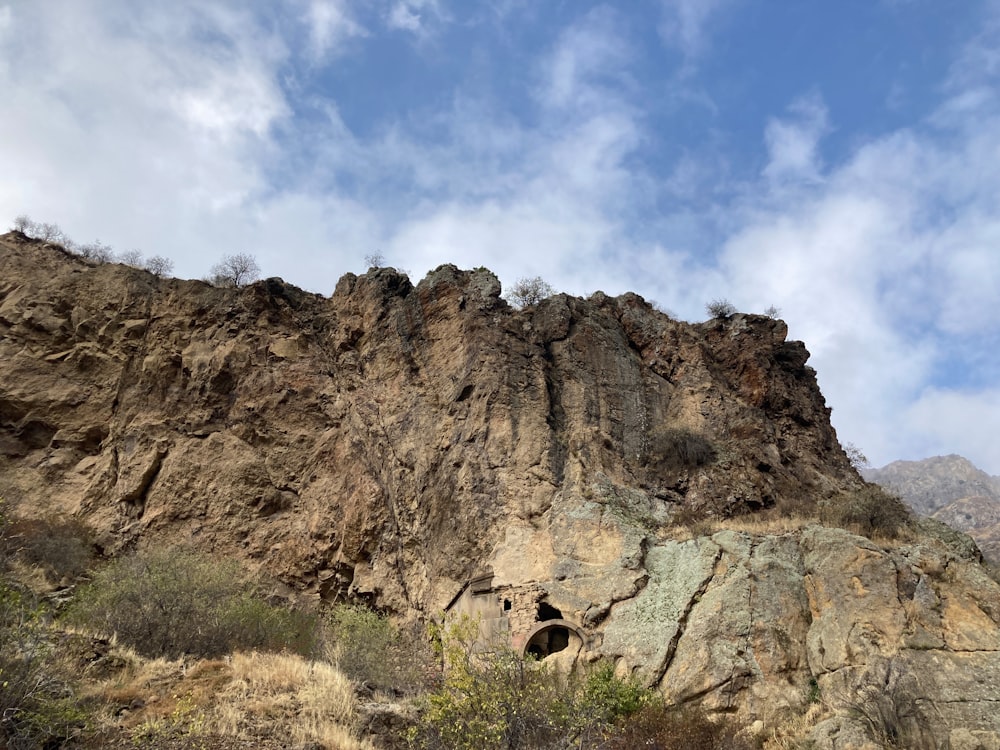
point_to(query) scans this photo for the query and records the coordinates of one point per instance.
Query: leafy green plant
(175, 601)
(371, 650)
(34, 709)
(489, 700)
(815, 694)
(493, 699)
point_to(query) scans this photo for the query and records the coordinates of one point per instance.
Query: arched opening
(551, 637)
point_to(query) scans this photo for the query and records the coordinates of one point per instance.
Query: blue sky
(839, 160)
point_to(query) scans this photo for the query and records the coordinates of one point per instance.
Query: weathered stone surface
(643, 631)
(392, 433)
(391, 441)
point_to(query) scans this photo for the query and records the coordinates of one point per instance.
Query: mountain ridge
(951, 489)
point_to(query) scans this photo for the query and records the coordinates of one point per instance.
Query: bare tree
(720, 308)
(50, 233)
(375, 260)
(527, 292)
(131, 258)
(97, 251)
(235, 270)
(159, 266)
(25, 225)
(41, 231)
(858, 459)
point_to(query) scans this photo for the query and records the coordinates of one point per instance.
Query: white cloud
(793, 143)
(963, 422)
(684, 24)
(132, 130)
(413, 15)
(331, 25)
(886, 266)
(547, 201)
(586, 58)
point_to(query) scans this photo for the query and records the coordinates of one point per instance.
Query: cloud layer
(574, 145)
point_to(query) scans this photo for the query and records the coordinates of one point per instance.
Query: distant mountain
(951, 489)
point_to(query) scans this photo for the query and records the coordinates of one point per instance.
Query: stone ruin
(519, 616)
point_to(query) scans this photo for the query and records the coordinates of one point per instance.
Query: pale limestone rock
(642, 632)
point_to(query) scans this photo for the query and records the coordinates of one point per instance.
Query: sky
(837, 160)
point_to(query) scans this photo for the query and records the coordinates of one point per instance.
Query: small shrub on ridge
(528, 292)
(869, 511)
(720, 308)
(679, 448)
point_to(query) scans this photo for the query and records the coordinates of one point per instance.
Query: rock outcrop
(381, 441)
(391, 442)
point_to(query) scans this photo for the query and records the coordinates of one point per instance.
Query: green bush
(170, 602)
(489, 701)
(497, 700)
(34, 708)
(372, 651)
(869, 511)
(606, 698)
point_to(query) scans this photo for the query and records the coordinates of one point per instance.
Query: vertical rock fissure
(733, 685)
(137, 355)
(556, 417)
(138, 497)
(683, 620)
(390, 502)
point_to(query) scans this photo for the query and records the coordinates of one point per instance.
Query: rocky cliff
(383, 440)
(392, 441)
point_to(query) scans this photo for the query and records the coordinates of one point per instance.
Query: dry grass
(764, 522)
(776, 521)
(791, 732)
(249, 697)
(310, 701)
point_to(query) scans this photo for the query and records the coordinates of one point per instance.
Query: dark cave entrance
(547, 612)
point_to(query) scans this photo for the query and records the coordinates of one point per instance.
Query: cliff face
(391, 441)
(382, 441)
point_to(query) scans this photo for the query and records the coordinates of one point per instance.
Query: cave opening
(547, 612)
